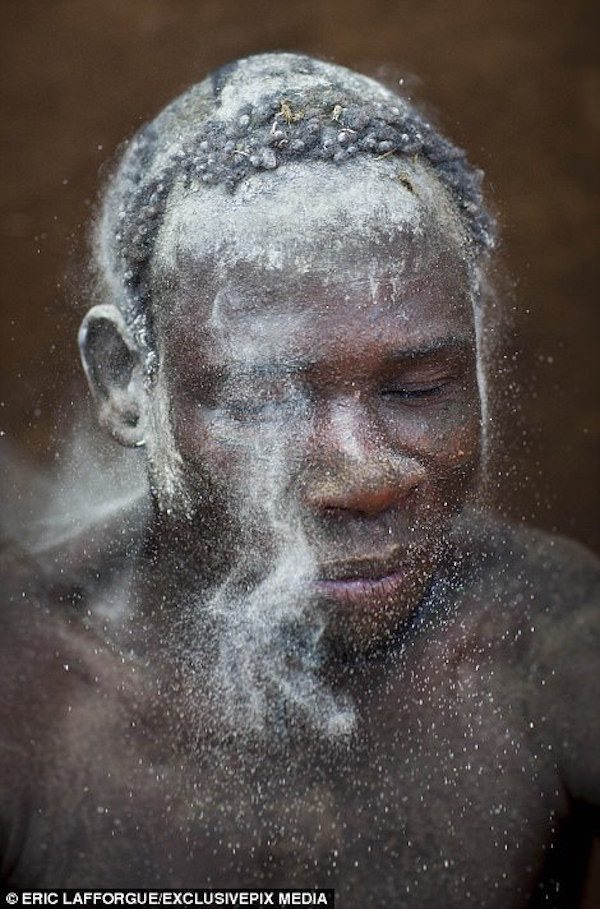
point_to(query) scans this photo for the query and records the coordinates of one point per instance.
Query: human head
(257, 114)
(248, 126)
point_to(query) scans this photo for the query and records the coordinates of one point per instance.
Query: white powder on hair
(269, 75)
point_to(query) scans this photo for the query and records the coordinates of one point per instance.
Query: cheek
(455, 459)
(457, 462)
(446, 440)
(202, 450)
(446, 431)
(454, 440)
(231, 453)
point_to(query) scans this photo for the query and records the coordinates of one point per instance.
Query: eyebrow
(460, 345)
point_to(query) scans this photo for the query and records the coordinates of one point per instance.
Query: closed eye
(416, 393)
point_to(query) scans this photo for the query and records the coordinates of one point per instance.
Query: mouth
(361, 584)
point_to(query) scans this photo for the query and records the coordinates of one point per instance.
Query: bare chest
(435, 793)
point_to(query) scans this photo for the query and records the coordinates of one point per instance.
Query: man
(327, 667)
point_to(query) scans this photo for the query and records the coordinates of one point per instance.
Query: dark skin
(469, 655)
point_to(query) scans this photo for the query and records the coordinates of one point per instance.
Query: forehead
(306, 213)
(368, 248)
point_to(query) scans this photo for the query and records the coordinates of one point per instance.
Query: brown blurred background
(514, 82)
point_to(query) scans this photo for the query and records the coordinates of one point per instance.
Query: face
(317, 353)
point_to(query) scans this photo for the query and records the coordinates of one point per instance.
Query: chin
(363, 614)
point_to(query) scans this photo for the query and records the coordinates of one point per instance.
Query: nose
(353, 468)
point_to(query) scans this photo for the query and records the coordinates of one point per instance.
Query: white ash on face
(255, 116)
(253, 650)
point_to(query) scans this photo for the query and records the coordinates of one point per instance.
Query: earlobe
(113, 366)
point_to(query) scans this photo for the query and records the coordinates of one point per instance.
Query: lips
(362, 591)
(361, 584)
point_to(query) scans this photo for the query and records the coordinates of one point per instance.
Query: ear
(113, 366)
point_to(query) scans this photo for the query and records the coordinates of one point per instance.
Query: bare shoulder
(47, 592)
(53, 665)
(47, 654)
(533, 600)
(525, 572)
(65, 696)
